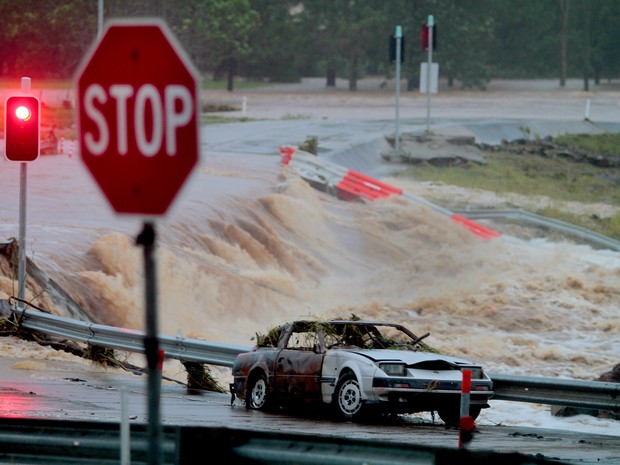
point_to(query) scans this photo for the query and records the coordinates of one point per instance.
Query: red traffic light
(425, 36)
(22, 112)
(21, 128)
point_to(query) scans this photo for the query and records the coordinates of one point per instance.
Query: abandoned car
(355, 367)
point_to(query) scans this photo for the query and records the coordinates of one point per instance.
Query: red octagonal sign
(138, 117)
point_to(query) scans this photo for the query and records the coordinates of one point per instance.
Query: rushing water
(247, 244)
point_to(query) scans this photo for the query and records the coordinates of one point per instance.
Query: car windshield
(371, 336)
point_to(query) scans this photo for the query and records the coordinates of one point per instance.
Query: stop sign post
(138, 137)
(138, 116)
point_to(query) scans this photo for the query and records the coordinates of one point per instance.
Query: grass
(238, 85)
(534, 175)
(600, 143)
(217, 119)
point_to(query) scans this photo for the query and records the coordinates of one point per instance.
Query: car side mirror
(316, 348)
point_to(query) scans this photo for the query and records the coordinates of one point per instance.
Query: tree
(585, 47)
(282, 40)
(465, 49)
(605, 23)
(44, 39)
(215, 32)
(279, 44)
(347, 30)
(564, 15)
(322, 22)
(525, 40)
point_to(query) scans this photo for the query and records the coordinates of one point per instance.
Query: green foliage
(281, 41)
(277, 42)
(271, 338)
(45, 39)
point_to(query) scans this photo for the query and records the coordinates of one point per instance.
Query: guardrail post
(466, 422)
(125, 430)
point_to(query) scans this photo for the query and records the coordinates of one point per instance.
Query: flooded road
(79, 391)
(248, 245)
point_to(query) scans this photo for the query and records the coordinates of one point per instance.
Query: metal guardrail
(180, 348)
(569, 392)
(523, 216)
(595, 395)
(61, 442)
(549, 223)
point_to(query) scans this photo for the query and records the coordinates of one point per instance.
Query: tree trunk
(353, 73)
(331, 77)
(563, 42)
(597, 73)
(232, 69)
(587, 62)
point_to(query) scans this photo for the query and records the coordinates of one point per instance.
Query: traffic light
(424, 36)
(21, 128)
(393, 49)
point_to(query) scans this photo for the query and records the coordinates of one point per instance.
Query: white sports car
(354, 367)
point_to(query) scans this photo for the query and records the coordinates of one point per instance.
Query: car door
(298, 368)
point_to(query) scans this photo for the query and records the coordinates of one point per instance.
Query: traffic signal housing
(393, 49)
(22, 128)
(425, 36)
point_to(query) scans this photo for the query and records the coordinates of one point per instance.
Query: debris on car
(355, 367)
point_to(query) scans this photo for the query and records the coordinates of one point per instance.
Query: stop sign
(138, 116)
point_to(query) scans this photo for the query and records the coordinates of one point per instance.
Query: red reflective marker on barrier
(466, 422)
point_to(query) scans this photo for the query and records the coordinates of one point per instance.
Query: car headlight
(394, 369)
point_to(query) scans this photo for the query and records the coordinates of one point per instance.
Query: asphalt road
(65, 390)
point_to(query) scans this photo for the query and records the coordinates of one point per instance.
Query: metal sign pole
(99, 19)
(399, 35)
(23, 182)
(151, 343)
(429, 23)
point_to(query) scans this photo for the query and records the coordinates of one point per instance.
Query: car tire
(348, 401)
(258, 397)
(451, 417)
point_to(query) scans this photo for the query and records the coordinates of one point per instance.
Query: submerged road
(68, 391)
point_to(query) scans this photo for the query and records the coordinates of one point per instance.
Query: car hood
(409, 357)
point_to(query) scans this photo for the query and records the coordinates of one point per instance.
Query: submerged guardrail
(545, 222)
(551, 391)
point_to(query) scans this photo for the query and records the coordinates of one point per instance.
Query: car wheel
(348, 397)
(451, 417)
(257, 396)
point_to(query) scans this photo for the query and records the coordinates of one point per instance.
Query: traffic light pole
(21, 267)
(399, 35)
(428, 72)
(23, 177)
